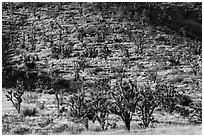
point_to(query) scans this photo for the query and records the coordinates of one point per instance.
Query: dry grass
(168, 130)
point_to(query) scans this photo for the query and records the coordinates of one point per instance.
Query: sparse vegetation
(83, 68)
(29, 111)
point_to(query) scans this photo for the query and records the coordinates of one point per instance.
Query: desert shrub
(74, 127)
(9, 122)
(6, 129)
(56, 52)
(196, 67)
(185, 100)
(172, 100)
(100, 37)
(91, 52)
(169, 96)
(90, 30)
(112, 125)
(59, 128)
(6, 126)
(21, 130)
(30, 97)
(96, 70)
(66, 51)
(77, 130)
(196, 115)
(193, 47)
(30, 62)
(175, 58)
(104, 52)
(195, 63)
(118, 70)
(97, 129)
(139, 43)
(29, 111)
(45, 121)
(39, 86)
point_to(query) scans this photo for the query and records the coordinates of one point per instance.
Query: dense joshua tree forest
(101, 68)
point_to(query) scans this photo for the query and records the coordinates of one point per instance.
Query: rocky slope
(89, 41)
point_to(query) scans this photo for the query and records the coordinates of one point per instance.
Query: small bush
(29, 111)
(196, 114)
(20, 130)
(169, 96)
(59, 128)
(41, 105)
(9, 121)
(97, 129)
(30, 97)
(77, 129)
(45, 121)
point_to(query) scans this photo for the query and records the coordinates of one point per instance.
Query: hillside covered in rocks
(66, 48)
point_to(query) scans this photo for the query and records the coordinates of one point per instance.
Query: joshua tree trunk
(18, 108)
(86, 123)
(127, 124)
(58, 103)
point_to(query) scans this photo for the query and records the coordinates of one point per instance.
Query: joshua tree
(125, 98)
(16, 97)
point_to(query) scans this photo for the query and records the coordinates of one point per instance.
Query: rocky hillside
(58, 36)
(91, 41)
(49, 48)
